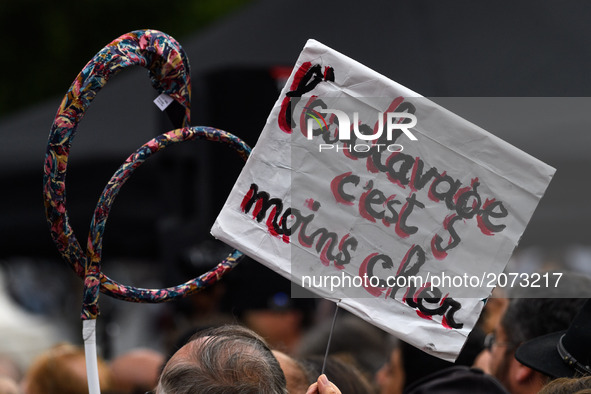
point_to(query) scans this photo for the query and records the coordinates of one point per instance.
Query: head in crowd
(417, 364)
(268, 310)
(568, 386)
(223, 360)
(136, 371)
(408, 364)
(352, 337)
(493, 311)
(390, 377)
(342, 373)
(295, 373)
(562, 354)
(62, 370)
(525, 319)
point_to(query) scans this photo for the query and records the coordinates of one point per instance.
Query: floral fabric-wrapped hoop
(95, 279)
(170, 74)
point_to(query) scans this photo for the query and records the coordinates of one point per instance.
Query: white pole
(89, 336)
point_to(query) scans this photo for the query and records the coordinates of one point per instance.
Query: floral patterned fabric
(170, 74)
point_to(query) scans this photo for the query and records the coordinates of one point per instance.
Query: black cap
(564, 353)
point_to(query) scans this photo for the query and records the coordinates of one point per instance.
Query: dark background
(494, 54)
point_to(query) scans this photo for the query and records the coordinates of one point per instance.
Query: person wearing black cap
(531, 313)
(564, 353)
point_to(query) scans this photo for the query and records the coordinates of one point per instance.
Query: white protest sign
(363, 191)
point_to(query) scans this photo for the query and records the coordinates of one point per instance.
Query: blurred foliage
(46, 43)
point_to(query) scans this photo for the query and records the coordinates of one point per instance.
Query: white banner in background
(359, 189)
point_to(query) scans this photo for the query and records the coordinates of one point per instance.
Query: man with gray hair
(223, 360)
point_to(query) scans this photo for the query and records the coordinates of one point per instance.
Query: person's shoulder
(458, 379)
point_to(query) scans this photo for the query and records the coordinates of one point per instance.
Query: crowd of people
(519, 345)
